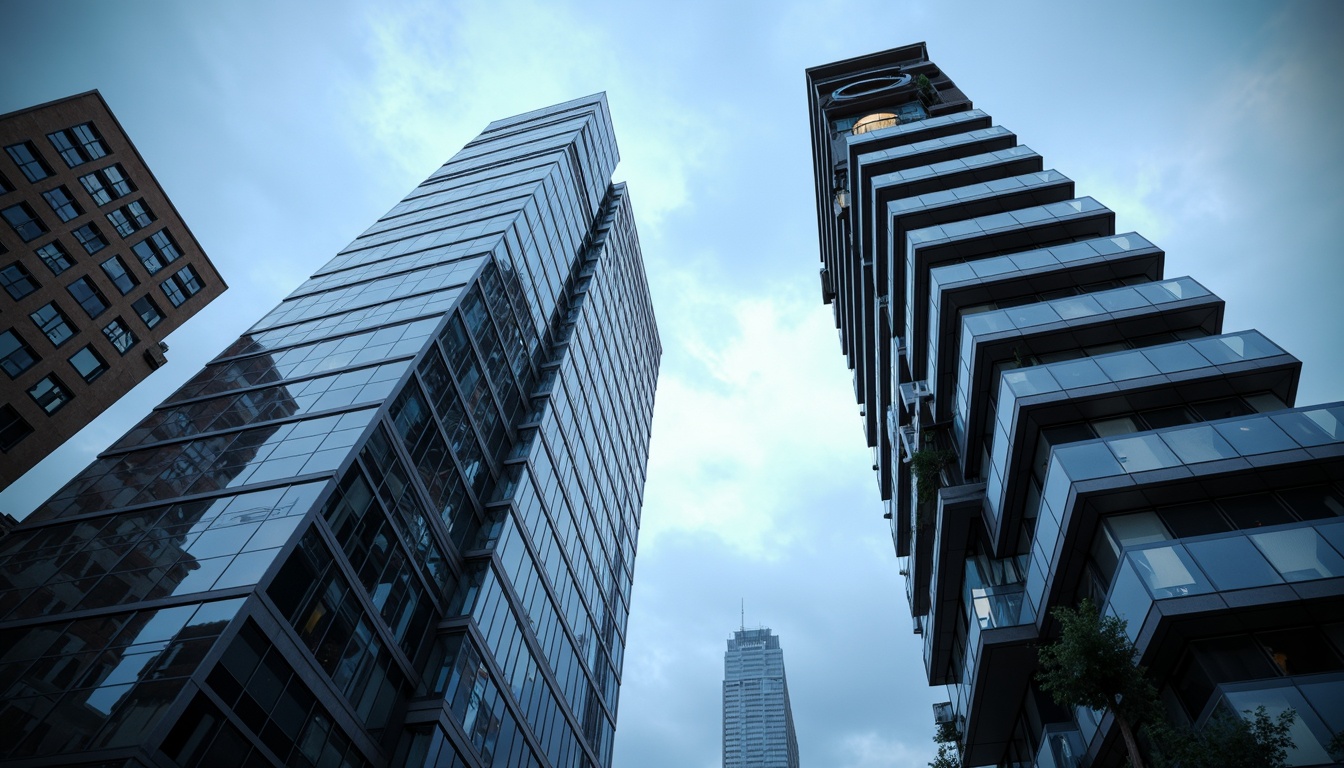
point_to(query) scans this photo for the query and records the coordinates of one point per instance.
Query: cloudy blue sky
(281, 130)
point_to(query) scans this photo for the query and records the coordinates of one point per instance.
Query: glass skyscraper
(1054, 418)
(394, 523)
(757, 718)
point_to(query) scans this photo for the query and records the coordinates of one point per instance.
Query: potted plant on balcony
(928, 92)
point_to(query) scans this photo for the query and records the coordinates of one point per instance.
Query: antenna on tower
(744, 615)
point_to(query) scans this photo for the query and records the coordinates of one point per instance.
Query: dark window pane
(13, 428)
(121, 222)
(190, 281)
(173, 291)
(89, 237)
(116, 271)
(89, 140)
(116, 178)
(1255, 511)
(139, 213)
(62, 204)
(53, 323)
(25, 156)
(50, 394)
(15, 354)
(55, 257)
(23, 221)
(1195, 519)
(121, 337)
(1314, 502)
(98, 189)
(17, 281)
(88, 297)
(88, 363)
(65, 147)
(148, 311)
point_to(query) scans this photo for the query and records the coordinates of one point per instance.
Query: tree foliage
(1092, 665)
(946, 738)
(1226, 741)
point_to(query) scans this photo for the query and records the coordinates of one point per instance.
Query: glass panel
(1142, 453)
(1169, 572)
(1299, 554)
(1089, 460)
(1233, 563)
(1252, 436)
(1198, 444)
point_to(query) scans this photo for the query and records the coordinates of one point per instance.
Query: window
(130, 217)
(88, 296)
(107, 185)
(62, 203)
(13, 428)
(52, 322)
(116, 271)
(5, 187)
(24, 155)
(182, 286)
(17, 281)
(50, 394)
(157, 252)
(89, 237)
(25, 223)
(140, 213)
(89, 138)
(55, 257)
(148, 311)
(88, 363)
(78, 145)
(15, 354)
(121, 337)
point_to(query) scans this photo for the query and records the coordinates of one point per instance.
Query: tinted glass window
(16, 280)
(15, 354)
(88, 364)
(88, 296)
(53, 323)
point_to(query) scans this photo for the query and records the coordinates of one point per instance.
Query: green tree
(946, 738)
(1092, 665)
(1226, 741)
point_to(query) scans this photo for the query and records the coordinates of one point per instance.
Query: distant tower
(757, 719)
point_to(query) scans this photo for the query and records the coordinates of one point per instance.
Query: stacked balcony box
(1110, 439)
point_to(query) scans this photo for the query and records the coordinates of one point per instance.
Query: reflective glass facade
(1053, 418)
(757, 717)
(393, 524)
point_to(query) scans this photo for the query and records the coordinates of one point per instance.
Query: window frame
(34, 159)
(55, 385)
(95, 293)
(32, 220)
(9, 419)
(45, 325)
(22, 346)
(126, 276)
(64, 255)
(117, 336)
(151, 304)
(97, 236)
(68, 206)
(94, 373)
(24, 276)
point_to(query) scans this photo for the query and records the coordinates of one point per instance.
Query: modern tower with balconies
(1054, 417)
(393, 524)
